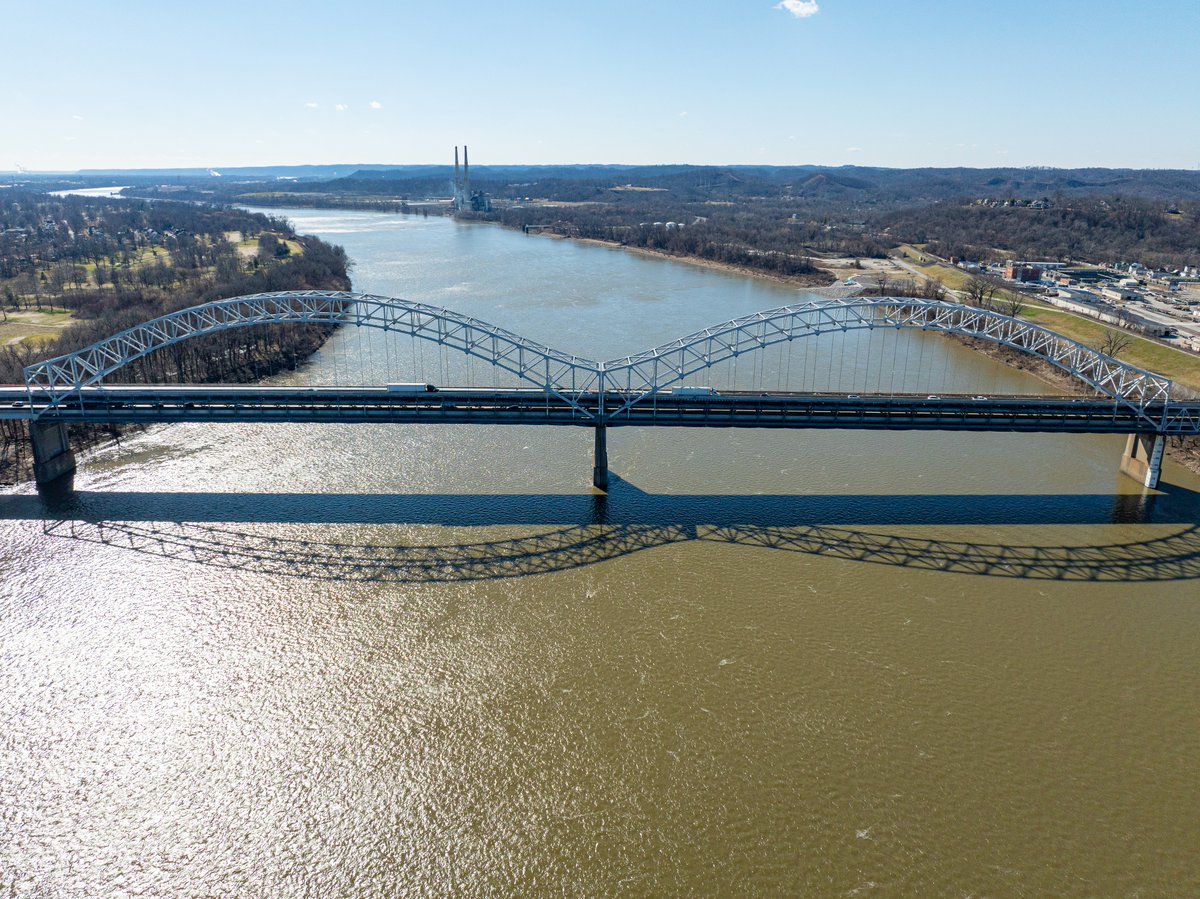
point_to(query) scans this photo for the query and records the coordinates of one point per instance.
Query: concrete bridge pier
(600, 466)
(52, 455)
(1143, 458)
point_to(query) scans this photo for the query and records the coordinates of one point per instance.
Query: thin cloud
(312, 105)
(801, 9)
(854, 149)
(682, 114)
(375, 104)
(341, 107)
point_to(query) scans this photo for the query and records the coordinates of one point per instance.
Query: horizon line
(624, 165)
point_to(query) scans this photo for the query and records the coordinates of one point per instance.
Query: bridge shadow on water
(571, 531)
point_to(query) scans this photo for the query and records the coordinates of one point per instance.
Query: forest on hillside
(1090, 229)
(112, 264)
(779, 218)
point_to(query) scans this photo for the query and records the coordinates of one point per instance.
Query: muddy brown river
(345, 660)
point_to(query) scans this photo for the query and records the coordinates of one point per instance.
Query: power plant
(464, 199)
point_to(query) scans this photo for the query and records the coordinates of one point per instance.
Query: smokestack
(457, 183)
(466, 172)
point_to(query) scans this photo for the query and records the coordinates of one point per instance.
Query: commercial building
(1021, 271)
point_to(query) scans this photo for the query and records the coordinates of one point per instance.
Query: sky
(899, 83)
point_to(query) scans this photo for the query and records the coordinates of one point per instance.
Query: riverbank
(1183, 450)
(819, 279)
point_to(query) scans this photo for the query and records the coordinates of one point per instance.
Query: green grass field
(1177, 365)
(248, 247)
(1164, 360)
(32, 327)
(950, 276)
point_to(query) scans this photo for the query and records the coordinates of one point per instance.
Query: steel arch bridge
(638, 377)
(558, 373)
(573, 390)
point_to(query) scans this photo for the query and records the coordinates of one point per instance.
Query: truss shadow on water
(1173, 557)
(204, 529)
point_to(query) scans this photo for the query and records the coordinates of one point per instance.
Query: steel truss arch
(559, 373)
(652, 371)
(567, 376)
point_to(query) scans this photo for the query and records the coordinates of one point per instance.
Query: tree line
(1088, 229)
(200, 266)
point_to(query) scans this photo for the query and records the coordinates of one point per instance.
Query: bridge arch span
(559, 373)
(653, 371)
(566, 376)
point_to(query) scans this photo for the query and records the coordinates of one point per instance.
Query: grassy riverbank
(1178, 365)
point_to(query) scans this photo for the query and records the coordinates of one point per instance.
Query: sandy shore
(816, 279)
(829, 279)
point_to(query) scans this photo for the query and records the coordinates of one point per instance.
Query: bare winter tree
(933, 290)
(1113, 342)
(1011, 304)
(980, 292)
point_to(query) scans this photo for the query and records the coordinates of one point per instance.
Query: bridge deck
(222, 403)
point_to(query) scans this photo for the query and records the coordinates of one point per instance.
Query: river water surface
(302, 660)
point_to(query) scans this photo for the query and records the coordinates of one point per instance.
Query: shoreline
(1187, 456)
(817, 280)
(1184, 455)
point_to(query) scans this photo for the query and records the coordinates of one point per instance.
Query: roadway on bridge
(224, 403)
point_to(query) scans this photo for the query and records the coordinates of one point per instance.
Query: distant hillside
(893, 187)
(189, 176)
(1092, 214)
(857, 192)
(1083, 228)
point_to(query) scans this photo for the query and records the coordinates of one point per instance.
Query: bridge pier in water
(1142, 459)
(52, 455)
(600, 463)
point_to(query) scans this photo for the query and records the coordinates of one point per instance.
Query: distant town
(1159, 303)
